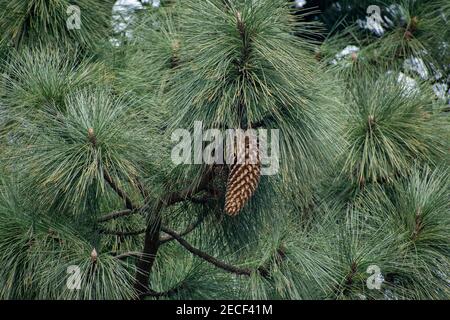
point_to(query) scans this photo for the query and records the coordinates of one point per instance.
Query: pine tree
(93, 207)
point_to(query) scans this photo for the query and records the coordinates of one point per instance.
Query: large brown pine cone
(243, 178)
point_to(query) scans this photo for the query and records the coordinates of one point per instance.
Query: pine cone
(243, 179)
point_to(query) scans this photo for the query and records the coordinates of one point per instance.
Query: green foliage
(241, 63)
(415, 30)
(67, 163)
(33, 22)
(417, 214)
(37, 78)
(402, 229)
(422, 35)
(37, 250)
(235, 72)
(151, 54)
(388, 133)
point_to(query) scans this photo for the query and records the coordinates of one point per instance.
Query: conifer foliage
(93, 206)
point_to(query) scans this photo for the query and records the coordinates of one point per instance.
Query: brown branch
(145, 262)
(116, 214)
(351, 274)
(264, 121)
(128, 203)
(164, 239)
(145, 194)
(128, 212)
(214, 261)
(188, 230)
(152, 234)
(122, 233)
(168, 293)
(122, 194)
(418, 225)
(203, 200)
(265, 270)
(188, 193)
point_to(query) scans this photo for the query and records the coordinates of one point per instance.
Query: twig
(162, 239)
(264, 271)
(128, 212)
(168, 293)
(151, 241)
(188, 230)
(185, 195)
(128, 203)
(145, 194)
(123, 233)
(118, 190)
(214, 261)
(203, 200)
(116, 214)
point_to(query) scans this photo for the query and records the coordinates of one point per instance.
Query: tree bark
(145, 262)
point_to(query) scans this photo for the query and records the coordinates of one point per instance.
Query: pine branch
(260, 123)
(121, 193)
(127, 212)
(191, 227)
(151, 242)
(188, 229)
(145, 262)
(265, 270)
(113, 184)
(203, 200)
(418, 225)
(168, 293)
(145, 194)
(122, 233)
(242, 63)
(351, 274)
(115, 215)
(188, 193)
(162, 240)
(203, 255)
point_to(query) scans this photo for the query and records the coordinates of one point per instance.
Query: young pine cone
(243, 179)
